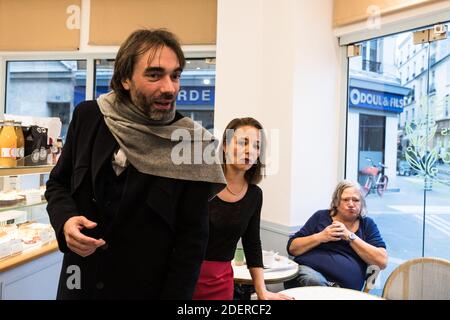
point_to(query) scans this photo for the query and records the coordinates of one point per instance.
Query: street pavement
(399, 217)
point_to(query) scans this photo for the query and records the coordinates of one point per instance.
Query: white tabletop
(283, 270)
(328, 293)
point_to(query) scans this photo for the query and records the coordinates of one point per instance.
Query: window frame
(389, 26)
(190, 52)
(363, 34)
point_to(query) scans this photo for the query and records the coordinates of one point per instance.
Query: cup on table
(269, 259)
(239, 257)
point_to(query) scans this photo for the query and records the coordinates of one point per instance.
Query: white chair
(419, 279)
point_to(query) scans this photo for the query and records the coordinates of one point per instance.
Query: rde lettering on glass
(196, 96)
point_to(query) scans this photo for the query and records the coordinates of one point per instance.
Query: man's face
(155, 83)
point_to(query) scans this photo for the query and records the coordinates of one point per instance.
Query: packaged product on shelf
(36, 146)
(9, 242)
(59, 145)
(8, 232)
(32, 196)
(16, 246)
(8, 145)
(56, 148)
(24, 236)
(36, 233)
(50, 151)
(20, 151)
(12, 217)
(5, 250)
(52, 124)
(9, 183)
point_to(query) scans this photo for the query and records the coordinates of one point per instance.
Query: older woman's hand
(343, 231)
(334, 232)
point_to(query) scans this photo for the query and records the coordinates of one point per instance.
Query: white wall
(278, 61)
(352, 145)
(239, 68)
(316, 146)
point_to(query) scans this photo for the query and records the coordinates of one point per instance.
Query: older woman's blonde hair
(337, 194)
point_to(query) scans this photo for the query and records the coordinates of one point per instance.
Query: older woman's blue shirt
(337, 261)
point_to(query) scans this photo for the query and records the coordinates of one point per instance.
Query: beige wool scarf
(181, 150)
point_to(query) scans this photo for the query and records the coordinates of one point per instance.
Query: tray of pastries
(10, 198)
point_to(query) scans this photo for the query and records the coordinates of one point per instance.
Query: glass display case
(24, 223)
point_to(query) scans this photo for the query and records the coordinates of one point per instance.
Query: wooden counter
(16, 260)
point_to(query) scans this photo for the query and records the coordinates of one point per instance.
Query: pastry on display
(8, 232)
(33, 233)
(10, 198)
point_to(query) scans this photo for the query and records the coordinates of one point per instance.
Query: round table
(328, 293)
(283, 270)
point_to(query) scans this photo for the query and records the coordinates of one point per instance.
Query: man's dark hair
(137, 43)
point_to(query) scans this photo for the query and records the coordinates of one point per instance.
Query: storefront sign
(198, 95)
(376, 100)
(188, 95)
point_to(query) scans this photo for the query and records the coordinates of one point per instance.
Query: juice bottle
(20, 143)
(59, 145)
(8, 145)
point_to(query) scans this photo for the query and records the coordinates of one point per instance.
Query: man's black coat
(156, 242)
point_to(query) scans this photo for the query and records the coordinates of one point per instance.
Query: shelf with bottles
(29, 149)
(27, 146)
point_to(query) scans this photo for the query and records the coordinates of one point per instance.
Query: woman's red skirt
(215, 281)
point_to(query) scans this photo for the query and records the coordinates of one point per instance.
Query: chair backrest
(419, 279)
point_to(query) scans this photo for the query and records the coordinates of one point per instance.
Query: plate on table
(281, 264)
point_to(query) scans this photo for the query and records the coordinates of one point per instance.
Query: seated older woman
(335, 246)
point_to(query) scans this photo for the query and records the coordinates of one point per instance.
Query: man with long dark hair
(132, 223)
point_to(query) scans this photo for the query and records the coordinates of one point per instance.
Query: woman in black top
(235, 213)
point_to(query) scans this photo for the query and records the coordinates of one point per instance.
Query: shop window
(104, 69)
(45, 88)
(197, 92)
(407, 137)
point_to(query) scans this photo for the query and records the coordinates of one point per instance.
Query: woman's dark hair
(255, 174)
(137, 43)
